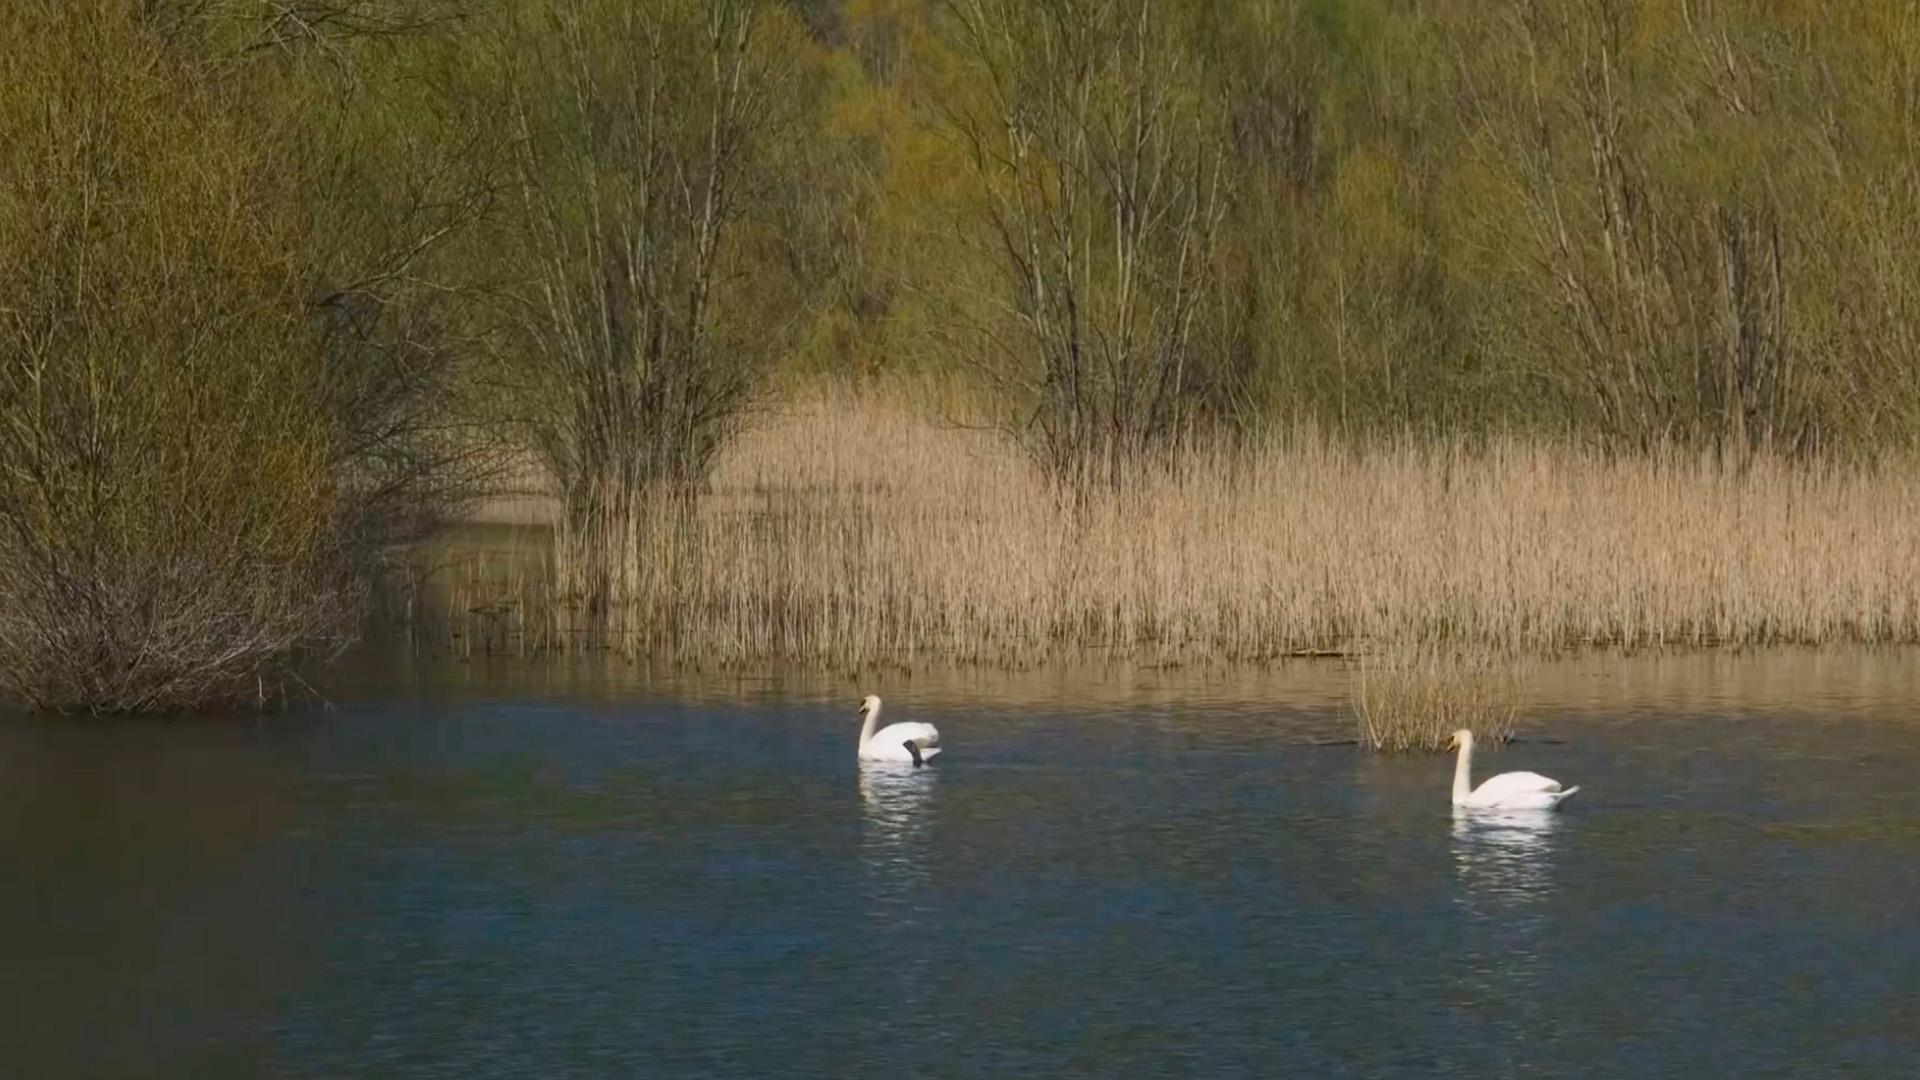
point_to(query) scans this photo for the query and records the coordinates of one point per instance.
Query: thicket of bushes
(222, 378)
(272, 274)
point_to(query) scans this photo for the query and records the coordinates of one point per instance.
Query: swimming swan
(913, 742)
(1508, 791)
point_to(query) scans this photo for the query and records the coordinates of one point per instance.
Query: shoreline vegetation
(855, 333)
(852, 530)
(1414, 698)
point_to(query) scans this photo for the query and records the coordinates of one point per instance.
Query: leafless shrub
(1413, 697)
(646, 177)
(1101, 182)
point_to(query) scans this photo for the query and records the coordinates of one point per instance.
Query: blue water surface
(505, 880)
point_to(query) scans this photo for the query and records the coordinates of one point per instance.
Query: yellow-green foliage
(1639, 220)
(182, 477)
(1605, 251)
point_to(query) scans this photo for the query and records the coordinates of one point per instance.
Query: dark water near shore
(475, 871)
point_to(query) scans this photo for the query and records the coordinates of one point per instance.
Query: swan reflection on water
(1504, 860)
(896, 809)
(1505, 855)
(901, 909)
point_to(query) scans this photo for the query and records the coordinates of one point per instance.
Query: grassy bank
(854, 530)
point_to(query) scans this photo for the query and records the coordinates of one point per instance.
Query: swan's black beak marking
(914, 749)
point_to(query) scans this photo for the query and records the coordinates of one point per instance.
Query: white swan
(1508, 791)
(913, 742)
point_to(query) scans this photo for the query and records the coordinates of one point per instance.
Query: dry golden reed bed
(849, 530)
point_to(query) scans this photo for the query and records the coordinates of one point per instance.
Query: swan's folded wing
(1514, 783)
(1532, 800)
(925, 735)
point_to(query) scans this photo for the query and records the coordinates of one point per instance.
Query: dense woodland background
(282, 281)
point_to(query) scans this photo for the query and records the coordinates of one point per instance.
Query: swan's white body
(1508, 791)
(913, 743)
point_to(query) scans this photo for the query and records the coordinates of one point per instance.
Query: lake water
(507, 869)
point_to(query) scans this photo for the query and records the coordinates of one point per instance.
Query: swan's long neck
(866, 729)
(1462, 770)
